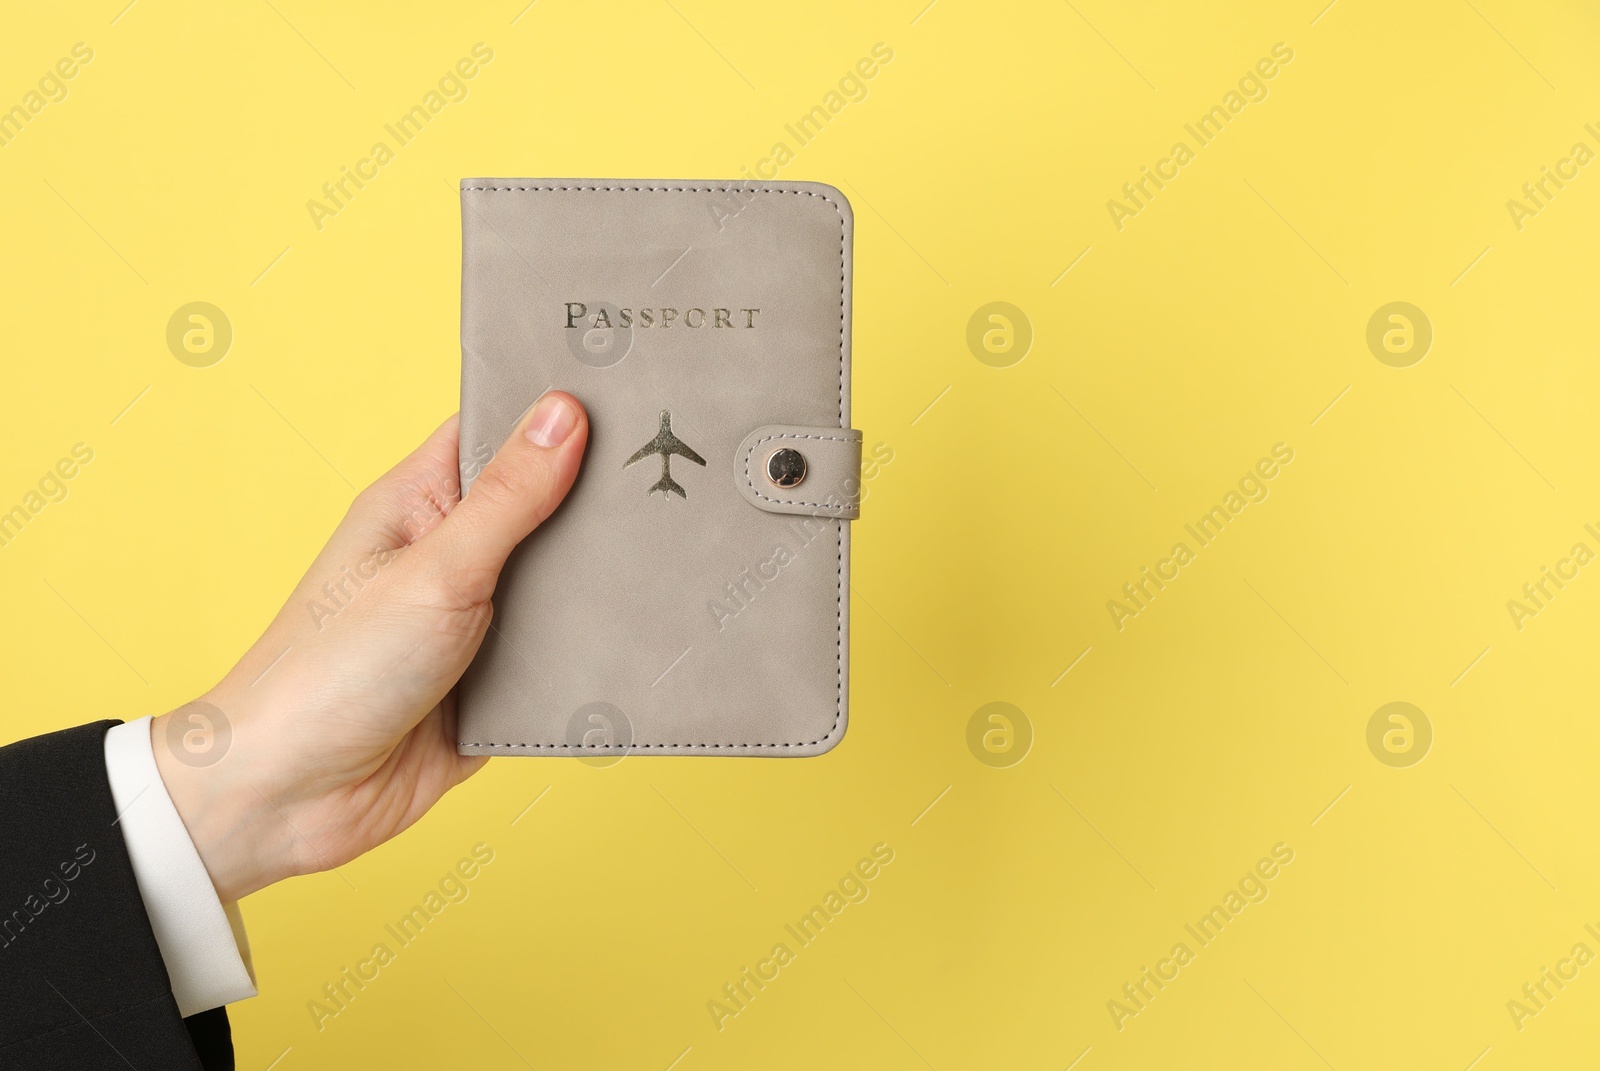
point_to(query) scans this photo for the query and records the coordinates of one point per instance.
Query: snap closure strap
(828, 468)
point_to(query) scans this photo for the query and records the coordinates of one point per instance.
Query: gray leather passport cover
(679, 601)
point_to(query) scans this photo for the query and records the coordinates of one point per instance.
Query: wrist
(242, 840)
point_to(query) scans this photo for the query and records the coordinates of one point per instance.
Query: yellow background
(1223, 319)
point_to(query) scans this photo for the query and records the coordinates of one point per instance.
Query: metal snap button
(786, 467)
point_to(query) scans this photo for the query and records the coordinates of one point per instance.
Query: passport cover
(690, 595)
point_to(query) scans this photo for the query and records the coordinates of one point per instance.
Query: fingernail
(552, 421)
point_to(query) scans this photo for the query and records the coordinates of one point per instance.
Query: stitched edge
(838, 510)
(838, 522)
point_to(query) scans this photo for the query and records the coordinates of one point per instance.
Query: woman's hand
(339, 725)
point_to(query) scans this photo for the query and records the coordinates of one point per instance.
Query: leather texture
(664, 608)
(832, 483)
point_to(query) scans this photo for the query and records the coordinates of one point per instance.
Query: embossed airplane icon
(666, 444)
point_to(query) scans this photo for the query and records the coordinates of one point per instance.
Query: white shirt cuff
(202, 940)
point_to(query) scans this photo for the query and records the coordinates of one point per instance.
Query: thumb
(514, 493)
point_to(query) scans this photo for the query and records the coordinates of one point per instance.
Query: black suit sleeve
(82, 983)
